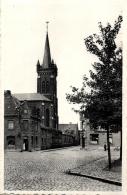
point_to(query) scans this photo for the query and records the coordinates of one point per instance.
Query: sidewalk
(97, 170)
(43, 150)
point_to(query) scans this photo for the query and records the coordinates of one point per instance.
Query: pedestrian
(24, 146)
(105, 147)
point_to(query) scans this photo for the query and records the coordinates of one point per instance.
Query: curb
(95, 178)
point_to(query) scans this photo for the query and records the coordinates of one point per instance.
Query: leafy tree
(102, 104)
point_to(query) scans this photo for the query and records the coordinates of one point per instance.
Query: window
(94, 137)
(36, 140)
(54, 123)
(32, 140)
(36, 126)
(47, 87)
(38, 112)
(47, 117)
(11, 124)
(43, 87)
(52, 81)
(33, 111)
(25, 125)
(42, 141)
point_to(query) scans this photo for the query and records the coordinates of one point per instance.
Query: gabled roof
(11, 104)
(31, 97)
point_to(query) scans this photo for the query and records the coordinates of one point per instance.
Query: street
(45, 170)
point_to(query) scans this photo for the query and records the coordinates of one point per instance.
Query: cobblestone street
(45, 170)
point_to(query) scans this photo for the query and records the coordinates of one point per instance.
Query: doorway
(25, 144)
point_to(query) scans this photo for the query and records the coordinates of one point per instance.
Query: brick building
(70, 129)
(89, 136)
(31, 119)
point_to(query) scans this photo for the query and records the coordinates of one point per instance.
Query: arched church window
(43, 86)
(47, 86)
(33, 112)
(38, 112)
(47, 117)
(54, 124)
(52, 80)
(25, 125)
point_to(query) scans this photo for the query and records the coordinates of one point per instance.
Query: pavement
(98, 170)
(46, 171)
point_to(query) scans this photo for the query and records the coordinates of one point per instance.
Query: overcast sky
(23, 38)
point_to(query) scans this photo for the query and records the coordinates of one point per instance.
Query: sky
(23, 39)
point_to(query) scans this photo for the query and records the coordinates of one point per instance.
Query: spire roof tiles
(47, 55)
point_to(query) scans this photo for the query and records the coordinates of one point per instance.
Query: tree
(102, 104)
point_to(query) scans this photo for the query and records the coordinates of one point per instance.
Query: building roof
(30, 97)
(68, 128)
(47, 55)
(11, 104)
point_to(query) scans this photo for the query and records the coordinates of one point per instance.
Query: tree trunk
(109, 151)
(83, 142)
(121, 145)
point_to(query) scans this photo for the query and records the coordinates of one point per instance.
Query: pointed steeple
(38, 63)
(47, 55)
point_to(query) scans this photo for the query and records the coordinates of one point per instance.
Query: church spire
(47, 55)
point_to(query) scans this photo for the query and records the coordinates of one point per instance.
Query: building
(47, 82)
(84, 131)
(31, 119)
(70, 129)
(89, 136)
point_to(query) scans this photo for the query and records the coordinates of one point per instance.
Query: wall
(116, 139)
(102, 138)
(46, 139)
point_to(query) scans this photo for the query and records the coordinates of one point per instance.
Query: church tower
(47, 79)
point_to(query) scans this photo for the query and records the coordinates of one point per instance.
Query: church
(31, 119)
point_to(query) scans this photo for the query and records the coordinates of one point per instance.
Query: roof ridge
(31, 97)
